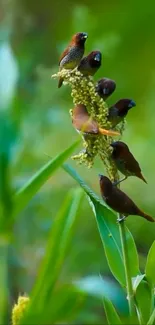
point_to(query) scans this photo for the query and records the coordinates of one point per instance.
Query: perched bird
(73, 54)
(125, 161)
(84, 123)
(105, 87)
(90, 63)
(118, 111)
(119, 201)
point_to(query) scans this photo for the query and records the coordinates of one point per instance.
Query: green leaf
(110, 311)
(7, 137)
(26, 193)
(136, 281)
(109, 232)
(57, 248)
(152, 318)
(150, 265)
(143, 298)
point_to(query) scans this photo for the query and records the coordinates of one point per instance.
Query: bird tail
(142, 177)
(108, 132)
(146, 216)
(60, 82)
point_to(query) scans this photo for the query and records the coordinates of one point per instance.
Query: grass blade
(110, 311)
(26, 193)
(150, 265)
(57, 248)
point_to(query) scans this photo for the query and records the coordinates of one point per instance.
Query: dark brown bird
(105, 87)
(118, 111)
(90, 63)
(73, 54)
(84, 123)
(118, 200)
(125, 161)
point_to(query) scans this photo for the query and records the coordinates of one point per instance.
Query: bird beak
(97, 57)
(85, 35)
(100, 176)
(132, 104)
(112, 144)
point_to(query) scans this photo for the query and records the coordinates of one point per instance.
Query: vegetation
(51, 250)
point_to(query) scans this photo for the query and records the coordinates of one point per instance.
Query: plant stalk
(130, 294)
(4, 303)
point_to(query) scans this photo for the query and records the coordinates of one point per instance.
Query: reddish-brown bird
(118, 200)
(84, 123)
(118, 111)
(125, 161)
(73, 54)
(105, 87)
(90, 63)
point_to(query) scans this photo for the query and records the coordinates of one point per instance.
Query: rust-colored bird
(105, 87)
(119, 201)
(125, 161)
(73, 54)
(84, 123)
(90, 63)
(118, 111)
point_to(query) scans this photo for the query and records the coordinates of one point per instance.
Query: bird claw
(121, 219)
(116, 183)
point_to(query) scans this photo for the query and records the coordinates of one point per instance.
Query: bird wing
(132, 164)
(121, 203)
(82, 121)
(64, 53)
(85, 124)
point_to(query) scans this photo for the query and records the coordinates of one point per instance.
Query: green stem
(4, 280)
(152, 318)
(130, 294)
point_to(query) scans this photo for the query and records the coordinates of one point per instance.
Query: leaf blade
(150, 263)
(110, 311)
(57, 247)
(25, 194)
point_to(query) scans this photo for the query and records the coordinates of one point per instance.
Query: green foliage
(25, 194)
(45, 300)
(109, 233)
(150, 264)
(34, 120)
(111, 314)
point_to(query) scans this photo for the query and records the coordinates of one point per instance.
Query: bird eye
(105, 91)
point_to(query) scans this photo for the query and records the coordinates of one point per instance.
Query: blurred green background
(32, 36)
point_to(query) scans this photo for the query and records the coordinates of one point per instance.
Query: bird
(90, 63)
(83, 122)
(118, 111)
(125, 161)
(72, 55)
(105, 87)
(119, 201)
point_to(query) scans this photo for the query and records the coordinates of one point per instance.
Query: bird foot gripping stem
(118, 182)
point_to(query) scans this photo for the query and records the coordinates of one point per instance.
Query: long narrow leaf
(110, 311)
(26, 193)
(150, 265)
(144, 301)
(109, 232)
(58, 244)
